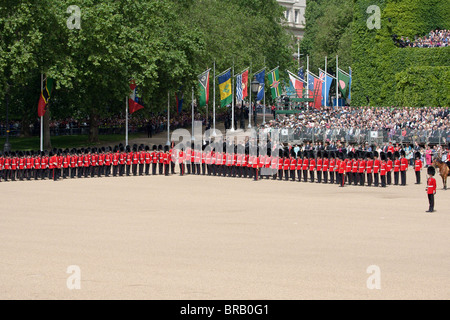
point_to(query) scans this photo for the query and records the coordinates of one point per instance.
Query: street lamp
(255, 87)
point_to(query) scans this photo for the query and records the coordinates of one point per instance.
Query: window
(296, 16)
(287, 14)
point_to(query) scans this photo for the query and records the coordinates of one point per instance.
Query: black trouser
(342, 179)
(293, 175)
(286, 175)
(213, 169)
(93, 171)
(193, 167)
(128, 169)
(280, 174)
(87, 171)
(319, 176)
(325, 176)
(355, 178)
(147, 169)
(299, 175)
(431, 202)
(332, 177)
(181, 169)
(172, 167)
(166, 169)
(311, 175)
(197, 165)
(349, 177)
(396, 174)
(115, 170)
(305, 175)
(418, 177)
(255, 173)
(362, 179)
(383, 181)
(161, 168)
(388, 178)
(107, 170)
(403, 177)
(376, 179)
(134, 169)
(141, 169)
(188, 167)
(369, 179)
(154, 168)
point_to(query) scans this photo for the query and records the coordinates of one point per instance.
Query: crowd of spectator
(435, 38)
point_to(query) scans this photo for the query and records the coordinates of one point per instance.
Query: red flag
(244, 84)
(297, 84)
(133, 100)
(317, 93)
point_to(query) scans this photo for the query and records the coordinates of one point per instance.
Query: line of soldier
(353, 167)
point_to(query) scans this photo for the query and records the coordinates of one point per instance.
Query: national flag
(350, 84)
(239, 92)
(297, 84)
(326, 89)
(134, 101)
(315, 90)
(45, 96)
(203, 84)
(343, 81)
(225, 88)
(260, 77)
(301, 74)
(274, 82)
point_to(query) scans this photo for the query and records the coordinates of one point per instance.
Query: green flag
(344, 81)
(203, 83)
(274, 81)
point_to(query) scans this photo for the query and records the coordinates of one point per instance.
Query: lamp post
(7, 146)
(254, 87)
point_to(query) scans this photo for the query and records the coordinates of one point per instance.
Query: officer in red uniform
(87, 162)
(53, 165)
(80, 162)
(332, 166)
(396, 167)
(355, 167)
(417, 166)
(203, 160)
(14, 166)
(389, 167)
(255, 166)
(312, 166)
(342, 166)
(403, 167)
(376, 169)
(129, 160)
(2, 161)
(362, 168)
(431, 187)
(305, 165)
(94, 162)
(299, 165)
(65, 163)
(325, 166)
(348, 167)
(383, 169)
(166, 160)
(147, 160)
(292, 164)
(198, 158)
(286, 162)
(107, 161)
(369, 168)
(135, 161)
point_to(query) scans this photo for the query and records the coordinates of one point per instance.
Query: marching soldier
(417, 166)
(348, 167)
(171, 156)
(383, 169)
(129, 160)
(154, 159)
(305, 165)
(286, 162)
(148, 160)
(369, 168)
(362, 169)
(431, 187)
(135, 161)
(342, 166)
(332, 166)
(299, 165)
(319, 166)
(389, 167)
(181, 159)
(312, 166)
(325, 166)
(166, 160)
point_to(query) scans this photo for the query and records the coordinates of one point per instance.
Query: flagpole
(214, 101)
(250, 98)
(42, 117)
(326, 93)
(192, 138)
(264, 99)
(126, 121)
(232, 100)
(307, 77)
(168, 118)
(337, 80)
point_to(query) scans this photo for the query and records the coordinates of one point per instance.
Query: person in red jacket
(286, 162)
(355, 167)
(431, 187)
(389, 167)
(383, 169)
(305, 166)
(403, 167)
(280, 163)
(319, 163)
(299, 165)
(348, 167)
(148, 160)
(369, 169)
(312, 166)
(332, 166)
(129, 160)
(396, 167)
(362, 168)
(342, 166)
(53, 165)
(417, 166)
(376, 169)
(65, 163)
(141, 160)
(325, 166)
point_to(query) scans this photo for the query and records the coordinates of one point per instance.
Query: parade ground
(201, 237)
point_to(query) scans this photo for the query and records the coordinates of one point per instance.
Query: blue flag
(310, 86)
(326, 89)
(260, 77)
(301, 74)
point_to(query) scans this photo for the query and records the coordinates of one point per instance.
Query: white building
(295, 16)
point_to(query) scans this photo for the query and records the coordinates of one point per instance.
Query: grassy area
(62, 142)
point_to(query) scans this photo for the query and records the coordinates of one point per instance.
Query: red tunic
(431, 185)
(369, 166)
(418, 165)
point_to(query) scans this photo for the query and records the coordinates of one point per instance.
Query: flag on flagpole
(134, 101)
(239, 91)
(326, 90)
(260, 77)
(350, 83)
(343, 81)
(45, 96)
(315, 88)
(297, 83)
(225, 88)
(301, 74)
(203, 80)
(274, 81)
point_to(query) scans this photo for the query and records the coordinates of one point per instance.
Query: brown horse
(444, 170)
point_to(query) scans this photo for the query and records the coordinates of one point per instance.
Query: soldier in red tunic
(319, 163)
(325, 166)
(312, 165)
(299, 165)
(403, 167)
(286, 162)
(369, 168)
(417, 166)
(383, 169)
(342, 166)
(148, 160)
(389, 167)
(376, 169)
(305, 166)
(332, 166)
(431, 187)
(362, 168)
(349, 167)
(396, 167)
